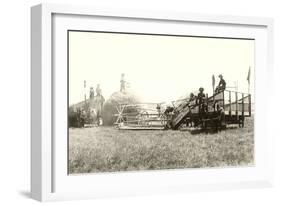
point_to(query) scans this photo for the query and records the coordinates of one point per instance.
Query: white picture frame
(49, 180)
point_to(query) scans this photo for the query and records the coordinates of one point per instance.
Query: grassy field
(106, 149)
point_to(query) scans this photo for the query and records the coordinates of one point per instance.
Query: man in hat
(192, 97)
(222, 85)
(201, 97)
(92, 93)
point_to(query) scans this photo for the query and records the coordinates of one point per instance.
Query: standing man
(192, 97)
(98, 90)
(201, 97)
(122, 83)
(92, 93)
(222, 85)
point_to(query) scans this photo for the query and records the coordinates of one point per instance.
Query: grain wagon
(221, 109)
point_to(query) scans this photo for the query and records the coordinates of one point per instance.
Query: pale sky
(158, 68)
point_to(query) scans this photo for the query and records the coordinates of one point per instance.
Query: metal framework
(225, 107)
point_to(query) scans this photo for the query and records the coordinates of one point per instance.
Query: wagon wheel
(241, 122)
(143, 117)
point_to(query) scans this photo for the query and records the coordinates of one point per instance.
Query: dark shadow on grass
(208, 130)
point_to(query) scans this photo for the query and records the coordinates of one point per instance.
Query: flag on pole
(213, 80)
(248, 79)
(249, 75)
(213, 83)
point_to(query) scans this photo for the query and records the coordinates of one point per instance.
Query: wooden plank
(210, 119)
(233, 113)
(138, 113)
(140, 128)
(176, 121)
(144, 120)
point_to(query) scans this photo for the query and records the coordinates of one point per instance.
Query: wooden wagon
(219, 110)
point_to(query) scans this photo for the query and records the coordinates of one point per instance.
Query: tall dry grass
(106, 149)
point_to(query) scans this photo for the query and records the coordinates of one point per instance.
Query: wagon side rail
(237, 104)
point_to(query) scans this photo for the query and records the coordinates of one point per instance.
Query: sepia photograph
(139, 101)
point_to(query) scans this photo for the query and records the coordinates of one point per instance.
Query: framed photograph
(128, 102)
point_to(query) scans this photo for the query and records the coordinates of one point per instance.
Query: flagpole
(213, 83)
(85, 97)
(248, 78)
